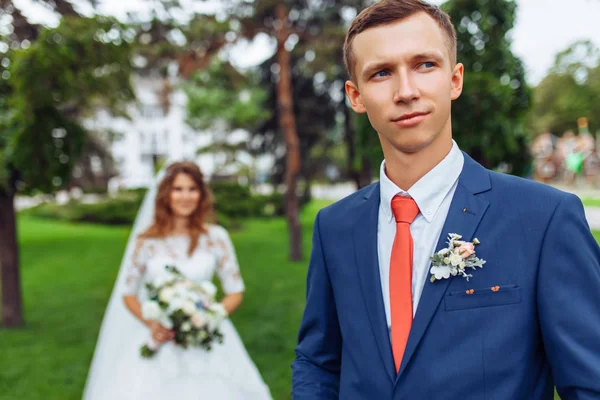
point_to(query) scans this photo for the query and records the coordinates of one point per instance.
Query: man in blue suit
(526, 321)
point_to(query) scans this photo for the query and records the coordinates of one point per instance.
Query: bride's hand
(160, 333)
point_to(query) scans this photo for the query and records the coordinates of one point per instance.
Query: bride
(180, 235)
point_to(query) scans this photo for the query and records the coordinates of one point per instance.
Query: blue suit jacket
(540, 330)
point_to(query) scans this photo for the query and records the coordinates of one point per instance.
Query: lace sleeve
(137, 268)
(228, 269)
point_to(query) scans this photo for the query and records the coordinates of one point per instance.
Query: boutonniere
(455, 259)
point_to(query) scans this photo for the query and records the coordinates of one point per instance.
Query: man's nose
(405, 87)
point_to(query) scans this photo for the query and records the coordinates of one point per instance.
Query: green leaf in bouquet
(178, 318)
(162, 304)
(147, 352)
(172, 269)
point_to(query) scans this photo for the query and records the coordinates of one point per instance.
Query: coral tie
(405, 210)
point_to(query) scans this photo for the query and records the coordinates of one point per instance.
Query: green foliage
(222, 99)
(121, 210)
(147, 352)
(315, 42)
(571, 90)
(222, 94)
(52, 83)
(236, 201)
(368, 146)
(488, 119)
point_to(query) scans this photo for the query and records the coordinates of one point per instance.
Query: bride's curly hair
(163, 215)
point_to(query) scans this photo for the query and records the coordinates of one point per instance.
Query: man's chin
(412, 147)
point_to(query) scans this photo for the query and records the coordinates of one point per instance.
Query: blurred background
(97, 95)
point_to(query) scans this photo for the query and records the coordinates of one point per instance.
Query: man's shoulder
(523, 186)
(350, 204)
(528, 194)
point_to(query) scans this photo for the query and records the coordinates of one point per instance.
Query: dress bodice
(214, 253)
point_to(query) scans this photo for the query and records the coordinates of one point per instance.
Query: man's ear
(457, 81)
(354, 97)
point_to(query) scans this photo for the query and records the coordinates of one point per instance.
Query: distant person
(173, 228)
(385, 321)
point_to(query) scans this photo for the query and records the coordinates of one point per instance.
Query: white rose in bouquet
(166, 294)
(175, 304)
(213, 322)
(151, 310)
(186, 327)
(199, 319)
(188, 307)
(219, 309)
(209, 288)
(217, 316)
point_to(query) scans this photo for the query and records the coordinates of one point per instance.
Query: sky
(543, 28)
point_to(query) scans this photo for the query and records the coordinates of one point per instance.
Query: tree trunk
(9, 262)
(287, 123)
(306, 194)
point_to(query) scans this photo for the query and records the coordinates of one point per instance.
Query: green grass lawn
(591, 202)
(68, 272)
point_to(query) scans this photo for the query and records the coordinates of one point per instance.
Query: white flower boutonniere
(455, 259)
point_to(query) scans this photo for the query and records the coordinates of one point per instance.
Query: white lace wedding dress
(224, 373)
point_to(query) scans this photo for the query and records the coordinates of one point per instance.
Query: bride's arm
(159, 332)
(134, 279)
(133, 305)
(232, 301)
(228, 271)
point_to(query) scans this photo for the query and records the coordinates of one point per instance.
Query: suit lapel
(464, 215)
(367, 261)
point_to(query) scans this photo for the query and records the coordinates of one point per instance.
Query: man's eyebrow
(429, 55)
(383, 64)
(374, 67)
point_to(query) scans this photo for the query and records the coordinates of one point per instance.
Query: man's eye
(428, 64)
(381, 74)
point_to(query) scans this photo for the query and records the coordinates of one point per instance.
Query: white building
(151, 133)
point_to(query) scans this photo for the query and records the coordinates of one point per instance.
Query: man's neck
(405, 169)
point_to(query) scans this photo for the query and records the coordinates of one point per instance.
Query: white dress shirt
(433, 194)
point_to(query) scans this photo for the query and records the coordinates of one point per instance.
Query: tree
(570, 90)
(222, 99)
(357, 131)
(315, 109)
(50, 82)
(369, 153)
(286, 22)
(488, 119)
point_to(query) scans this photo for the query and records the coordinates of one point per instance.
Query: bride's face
(185, 195)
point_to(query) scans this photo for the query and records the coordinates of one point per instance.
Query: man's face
(405, 83)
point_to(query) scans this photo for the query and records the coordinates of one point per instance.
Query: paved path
(591, 213)
(336, 192)
(593, 216)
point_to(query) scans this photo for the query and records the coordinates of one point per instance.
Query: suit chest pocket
(483, 297)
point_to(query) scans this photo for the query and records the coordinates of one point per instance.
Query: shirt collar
(429, 191)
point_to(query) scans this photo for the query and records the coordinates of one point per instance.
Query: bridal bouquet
(188, 308)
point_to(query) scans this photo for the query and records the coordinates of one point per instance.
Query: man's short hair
(386, 12)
